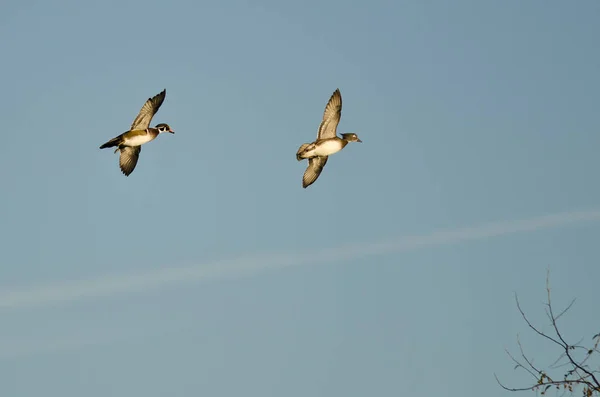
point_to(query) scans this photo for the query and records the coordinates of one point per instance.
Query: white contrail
(75, 290)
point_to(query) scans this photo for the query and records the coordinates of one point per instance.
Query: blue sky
(211, 271)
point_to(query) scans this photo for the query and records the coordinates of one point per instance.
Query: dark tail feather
(300, 150)
(111, 143)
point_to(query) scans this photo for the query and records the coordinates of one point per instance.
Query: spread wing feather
(142, 121)
(315, 166)
(129, 158)
(331, 116)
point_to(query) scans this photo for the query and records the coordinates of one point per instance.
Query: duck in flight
(327, 142)
(130, 142)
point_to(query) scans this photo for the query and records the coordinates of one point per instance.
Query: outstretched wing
(142, 121)
(331, 116)
(315, 166)
(129, 158)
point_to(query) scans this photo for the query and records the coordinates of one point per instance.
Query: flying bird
(130, 142)
(327, 142)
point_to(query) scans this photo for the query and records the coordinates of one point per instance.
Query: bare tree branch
(565, 344)
(578, 371)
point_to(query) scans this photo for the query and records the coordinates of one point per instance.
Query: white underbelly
(327, 148)
(139, 140)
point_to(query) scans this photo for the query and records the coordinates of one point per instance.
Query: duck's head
(351, 137)
(162, 127)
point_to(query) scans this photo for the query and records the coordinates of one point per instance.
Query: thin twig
(579, 372)
(531, 325)
(565, 344)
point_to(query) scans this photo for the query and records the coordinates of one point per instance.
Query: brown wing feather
(331, 116)
(315, 166)
(129, 158)
(142, 121)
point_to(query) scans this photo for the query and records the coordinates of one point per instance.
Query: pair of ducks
(130, 143)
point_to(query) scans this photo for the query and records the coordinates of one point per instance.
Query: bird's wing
(142, 121)
(129, 158)
(315, 166)
(331, 116)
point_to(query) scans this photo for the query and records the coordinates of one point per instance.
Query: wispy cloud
(30, 296)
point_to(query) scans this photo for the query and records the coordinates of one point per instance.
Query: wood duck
(130, 142)
(327, 142)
